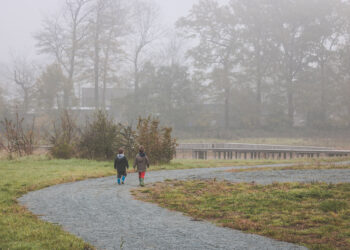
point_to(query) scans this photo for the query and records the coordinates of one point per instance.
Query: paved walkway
(107, 216)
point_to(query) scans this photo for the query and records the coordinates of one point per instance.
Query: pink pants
(142, 175)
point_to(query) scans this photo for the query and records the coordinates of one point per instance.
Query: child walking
(121, 164)
(141, 163)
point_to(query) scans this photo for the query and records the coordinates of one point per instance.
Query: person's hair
(141, 149)
(121, 150)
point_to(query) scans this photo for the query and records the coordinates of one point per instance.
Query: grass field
(190, 164)
(19, 229)
(315, 215)
(296, 167)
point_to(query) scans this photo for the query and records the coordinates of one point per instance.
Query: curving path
(106, 215)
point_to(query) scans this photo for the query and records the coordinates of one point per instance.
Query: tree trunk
(26, 101)
(290, 100)
(347, 103)
(258, 89)
(227, 97)
(105, 72)
(59, 105)
(258, 102)
(105, 67)
(136, 73)
(104, 89)
(323, 105)
(97, 60)
(65, 97)
(227, 109)
(69, 84)
(136, 108)
(227, 90)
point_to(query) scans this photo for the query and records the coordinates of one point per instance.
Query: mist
(216, 70)
(175, 124)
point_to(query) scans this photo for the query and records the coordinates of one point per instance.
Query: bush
(62, 151)
(127, 140)
(100, 138)
(168, 145)
(64, 137)
(19, 139)
(2, 145)
(158, 143)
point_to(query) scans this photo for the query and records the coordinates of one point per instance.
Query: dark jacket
(141, 162)
(121, 163)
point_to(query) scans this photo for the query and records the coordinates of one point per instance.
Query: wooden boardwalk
(230, 151)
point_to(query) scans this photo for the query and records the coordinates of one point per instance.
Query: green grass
(316, 215)
(19, 229)
(190, 164)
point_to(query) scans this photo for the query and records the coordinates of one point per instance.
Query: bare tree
(173, 50)
(97, 27)
(23, 75)
(3, 104)
(20, 139)
(107, 27)
(116, 15)
(146, 30)
(62, 38)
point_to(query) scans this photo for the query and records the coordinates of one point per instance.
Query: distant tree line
(274, 62)
(243, 64)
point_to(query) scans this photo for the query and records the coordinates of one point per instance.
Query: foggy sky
(20, 19)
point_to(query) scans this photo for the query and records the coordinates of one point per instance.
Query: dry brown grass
(316, 215)
(317, 166)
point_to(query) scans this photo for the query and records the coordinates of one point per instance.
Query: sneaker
(123, 182)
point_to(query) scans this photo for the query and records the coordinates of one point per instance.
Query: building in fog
(113, 95)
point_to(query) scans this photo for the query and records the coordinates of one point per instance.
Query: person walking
(121, 164)
(141, 163)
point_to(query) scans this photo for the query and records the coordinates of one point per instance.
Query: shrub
(127, 140)
(64, 137)
(100, 138)
(62, 151)
(19, 139)
(159, 144)
(2, 145)
(168, 145)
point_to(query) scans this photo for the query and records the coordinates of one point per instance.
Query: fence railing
(242, 146)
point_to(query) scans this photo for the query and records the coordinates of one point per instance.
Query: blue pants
(123, 179)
